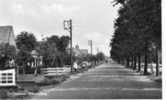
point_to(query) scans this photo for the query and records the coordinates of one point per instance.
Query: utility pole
(97, 50)
(68, 26)
(91, 46)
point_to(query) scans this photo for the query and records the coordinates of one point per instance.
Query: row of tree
(137, 35)
(53, 51)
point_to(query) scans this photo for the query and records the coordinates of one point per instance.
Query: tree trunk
(157, 63)
(146, 58)
(135, 63)
(127, 62)
(123, 61)
(132, 62)
(53, 61)
(23, 69)
(119, 61)
(139, 63)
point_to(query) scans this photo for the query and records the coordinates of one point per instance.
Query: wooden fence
(55, 71)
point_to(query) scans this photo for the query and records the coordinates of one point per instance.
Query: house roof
(84, 51)
(7, 35)
(78, 52)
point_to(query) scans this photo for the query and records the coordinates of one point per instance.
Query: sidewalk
(150, 76)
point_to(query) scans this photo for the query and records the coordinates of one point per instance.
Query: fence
(7, 77)
(55, 71)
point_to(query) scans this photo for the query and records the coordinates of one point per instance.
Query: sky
(92, 19)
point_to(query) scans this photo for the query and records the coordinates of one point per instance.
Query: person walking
(75, 65)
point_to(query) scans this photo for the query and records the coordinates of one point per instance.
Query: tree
(136, 28)
(26, 42)
(63, 43)
(7, 52)
(100, 56)
(53, 50)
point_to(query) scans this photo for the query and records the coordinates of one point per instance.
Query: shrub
(50, 80)
(35, 89)
(3, 94)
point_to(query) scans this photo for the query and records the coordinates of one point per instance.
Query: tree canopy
(137, 28)
(53, 50)
(7, 52)
(100, 56)
(26, 41)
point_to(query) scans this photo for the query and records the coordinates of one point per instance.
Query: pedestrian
(11, 63)
(75, 65)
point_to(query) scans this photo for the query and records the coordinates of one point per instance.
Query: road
(107, 81)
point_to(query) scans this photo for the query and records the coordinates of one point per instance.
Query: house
(78, 52)
(7, 75)
(84, 52)
(7, 35)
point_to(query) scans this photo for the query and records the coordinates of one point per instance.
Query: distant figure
(75, 66)
(11, 63)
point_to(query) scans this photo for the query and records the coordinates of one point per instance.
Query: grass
(25, 88)
(3, 94)
(51, 80)
(40, 82)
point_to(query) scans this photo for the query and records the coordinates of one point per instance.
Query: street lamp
(68, 26)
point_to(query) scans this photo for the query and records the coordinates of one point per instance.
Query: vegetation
(53, 51)
(7, 52)
(137, 35)
(26, 42)
(100, 56)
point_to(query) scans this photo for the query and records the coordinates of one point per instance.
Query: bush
(35, 89)
(7, 52)
(50, 80)
(43, 81)
(3, 94)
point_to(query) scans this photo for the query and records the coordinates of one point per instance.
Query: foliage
(3, 94)
(23, 57)
(89, 58)
(136, 29)
(26, 42)
(100, 56)
(53, 50)
(7, 52)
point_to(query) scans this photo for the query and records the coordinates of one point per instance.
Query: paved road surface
(107, 81)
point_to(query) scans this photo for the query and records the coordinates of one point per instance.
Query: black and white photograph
(81, 49)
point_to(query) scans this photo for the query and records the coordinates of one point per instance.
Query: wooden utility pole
(68, 26)
(91, 46)
(71, 43)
